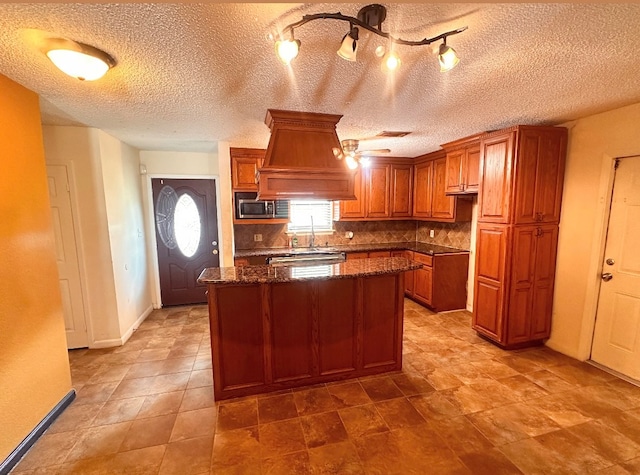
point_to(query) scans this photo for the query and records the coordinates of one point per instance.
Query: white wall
(78, 147)
(594, 142)
(107, 201)
(125, 217)
(164, 164)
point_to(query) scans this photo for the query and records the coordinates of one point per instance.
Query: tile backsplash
(456, 235)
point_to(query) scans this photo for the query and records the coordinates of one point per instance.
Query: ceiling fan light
(78, 60)
(365, 161)
(349, 45)
(287, 50)
(447, 58)
(351, 162)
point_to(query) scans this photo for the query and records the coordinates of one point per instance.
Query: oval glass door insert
(187, 225)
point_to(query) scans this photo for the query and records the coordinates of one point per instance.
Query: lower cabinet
(515, 271)
(441, 284)
(409, 276)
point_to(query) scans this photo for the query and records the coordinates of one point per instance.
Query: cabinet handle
(539, 232)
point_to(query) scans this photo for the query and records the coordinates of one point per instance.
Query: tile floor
(460, 405)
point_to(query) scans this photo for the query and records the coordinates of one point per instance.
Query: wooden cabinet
(401, 190)
(380, 254)
(244, 168)
(431, 203)
(357, 255)
(378, 192)
(441, 283)
(422, 184)
(409, 276)
(355, 209)
(384, 190)
(522, 171)
(240, 261)
(463, 165)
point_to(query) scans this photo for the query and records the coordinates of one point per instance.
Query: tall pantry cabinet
(521, 177)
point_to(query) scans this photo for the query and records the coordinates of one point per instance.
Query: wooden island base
(278, 335)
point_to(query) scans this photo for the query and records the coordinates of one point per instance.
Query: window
(301, 211)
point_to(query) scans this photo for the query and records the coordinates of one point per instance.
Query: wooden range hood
(299, 161)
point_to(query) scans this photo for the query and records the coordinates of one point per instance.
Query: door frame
(152, 242)
(80, 252)
(601, 227)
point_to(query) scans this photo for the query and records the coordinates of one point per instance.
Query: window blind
(301, 211)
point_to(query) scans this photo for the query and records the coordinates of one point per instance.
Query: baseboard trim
(122, 340)
(14, 457)
(622, 376)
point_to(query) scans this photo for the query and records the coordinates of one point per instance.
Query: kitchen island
(279, 327)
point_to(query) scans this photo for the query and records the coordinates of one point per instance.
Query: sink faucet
(312, 239)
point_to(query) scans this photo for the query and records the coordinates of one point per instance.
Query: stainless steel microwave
(248, 207)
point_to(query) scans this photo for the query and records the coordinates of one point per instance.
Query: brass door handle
(607, 276)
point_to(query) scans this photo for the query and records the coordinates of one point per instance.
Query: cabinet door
(355, 209)
(423, 174)
(491, 259)
(409, 275)
(496, 157)
(244, 170)
(357, 255)
(521, 292)
(442, 206)
(545, 269)
(423, 279)
(378, 191)
(401, 190)
(471, 169)
(380, 254)
(454, 180)
(540, 174)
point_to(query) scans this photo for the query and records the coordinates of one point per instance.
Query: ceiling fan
(353, 156)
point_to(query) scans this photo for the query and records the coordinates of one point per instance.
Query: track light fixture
(369, 18)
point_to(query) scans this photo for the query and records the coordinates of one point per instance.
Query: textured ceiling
(190, 75)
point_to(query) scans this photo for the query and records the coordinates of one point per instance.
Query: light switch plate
(432, 233)
(257, 237)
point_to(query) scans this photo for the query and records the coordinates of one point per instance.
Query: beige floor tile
(339, 458)
(626, 423)
(143, 370)
(276, 408)
(435, 406)
(381, 388)
(148, 432)
(322, 429)
(488, 462)
(161, 404)
(95, 393)
(561, 411)
(575, 453)
(296, 463)
(197, 398)
(165, 383)
(191, 456)
(607, 442)
(348, 394)
(49, 450)
(411, 384)
(531, 457)
(361, 421)
(581, 374)
(399, 413)
(441, 379)
(522, 389)
(460, 435)
(236, 448)
(190, 424)
(109, 373)
(548, 381)
(237, 415)
(313, 401)
(279, 438)
(134, 388)
(177, 365)
(98, 441)
(118, 410)
(75, 417)
(200, 378)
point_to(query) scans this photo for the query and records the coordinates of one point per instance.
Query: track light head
(447, 57)
(349, 45)
(391, 61)
(287, 50)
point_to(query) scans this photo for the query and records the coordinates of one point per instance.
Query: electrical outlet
(257, 237)
(432, 233)
(349, 234)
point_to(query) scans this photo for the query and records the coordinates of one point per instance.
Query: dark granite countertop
(421, 247)
(275, 274)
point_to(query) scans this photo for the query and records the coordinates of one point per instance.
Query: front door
(186, 235)
(616, 340)
(67, 256)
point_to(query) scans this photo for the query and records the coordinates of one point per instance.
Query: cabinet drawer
(423, 259)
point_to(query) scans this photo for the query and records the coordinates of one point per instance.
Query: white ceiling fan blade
(374, 152)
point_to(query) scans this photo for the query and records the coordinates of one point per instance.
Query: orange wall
(34, 366)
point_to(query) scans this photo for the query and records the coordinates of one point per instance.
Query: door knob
(607, 276)
(610, 262)
(215, 251)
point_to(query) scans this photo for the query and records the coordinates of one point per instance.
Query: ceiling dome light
(447, 57)
(79, 60)
(349, 46)
(287, 50)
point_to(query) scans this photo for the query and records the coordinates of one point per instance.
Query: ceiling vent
(388, 134)
(299, 162)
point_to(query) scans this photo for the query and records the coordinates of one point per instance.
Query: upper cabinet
(463, 166)
(244, 168)
(430, 201)
(522, 171)
(383, 191)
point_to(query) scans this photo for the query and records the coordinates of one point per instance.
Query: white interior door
(616, 341)
(67, 256)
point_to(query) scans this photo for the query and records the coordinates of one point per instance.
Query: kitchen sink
(312, 250)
